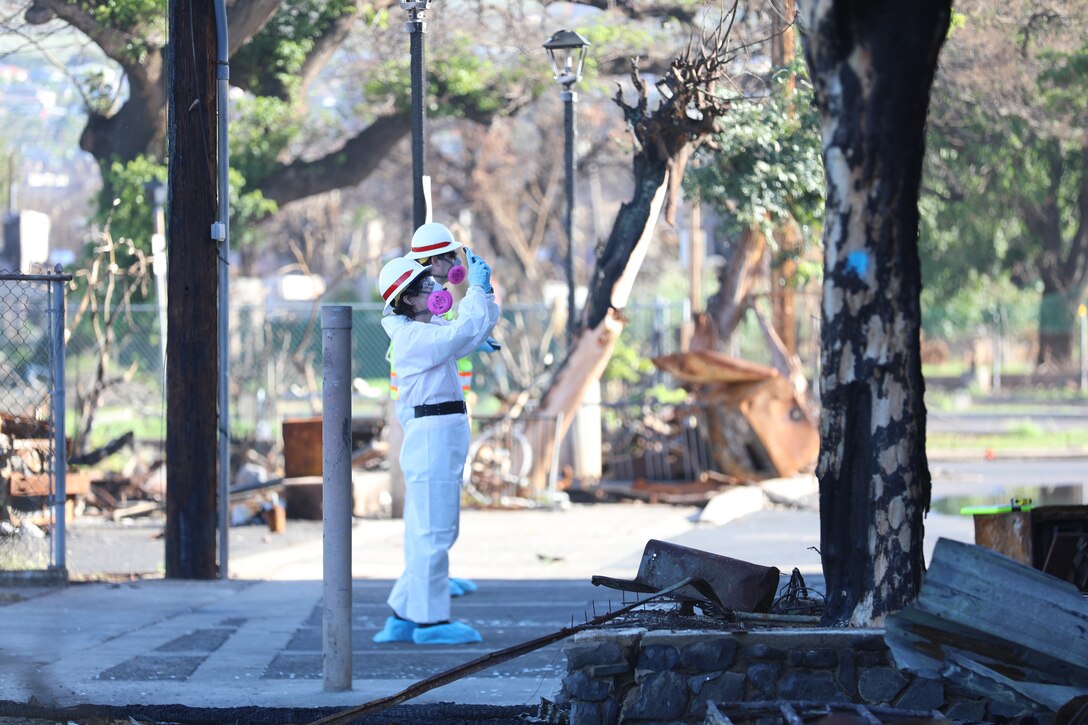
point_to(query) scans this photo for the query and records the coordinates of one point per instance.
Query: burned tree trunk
(687, 115)
(872, 66)
(726, 307)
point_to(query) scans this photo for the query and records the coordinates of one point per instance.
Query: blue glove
(479, 273)
(489, 345)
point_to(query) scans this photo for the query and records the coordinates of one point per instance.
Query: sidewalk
(255, 640)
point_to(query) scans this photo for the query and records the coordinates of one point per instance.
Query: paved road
(255, 640)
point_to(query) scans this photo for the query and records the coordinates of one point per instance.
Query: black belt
(449, 408)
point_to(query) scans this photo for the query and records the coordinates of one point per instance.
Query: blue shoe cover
(452, 633)
(396, 630)
(467, 586)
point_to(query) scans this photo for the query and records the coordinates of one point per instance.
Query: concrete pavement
(255, 640)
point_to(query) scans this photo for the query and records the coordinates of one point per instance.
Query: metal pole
(221, 233)
(569, 97)
(60, 444)
(336, 495)
(1082, 313)
(158, 266)
(417, 28)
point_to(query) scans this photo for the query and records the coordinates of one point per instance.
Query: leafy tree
(763, 172)
(764, 168)
(1007, 189)
(279, 48)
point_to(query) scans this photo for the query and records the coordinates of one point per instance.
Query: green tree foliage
(271, 63)
(1006, 182)
(128, 214)
(765, 166)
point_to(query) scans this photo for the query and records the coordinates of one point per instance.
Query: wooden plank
(993, 684)
(994, 625)
(994, 594)
(21, 426)
(138, 508)
(76, 483)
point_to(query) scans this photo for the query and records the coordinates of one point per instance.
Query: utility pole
(783, 295)
(192, 281)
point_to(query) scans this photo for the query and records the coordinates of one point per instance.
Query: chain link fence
(276, 358)
(275, 364)
(33, 458)
(117, 382)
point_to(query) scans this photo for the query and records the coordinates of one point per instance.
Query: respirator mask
(440, 301)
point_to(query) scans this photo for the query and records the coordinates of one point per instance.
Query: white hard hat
(431, 239)
(395, 277)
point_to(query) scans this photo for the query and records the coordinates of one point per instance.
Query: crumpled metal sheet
(733, 584)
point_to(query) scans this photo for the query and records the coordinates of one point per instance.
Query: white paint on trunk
(880, 567)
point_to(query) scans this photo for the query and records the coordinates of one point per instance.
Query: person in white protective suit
(431, 408)
(433, 245)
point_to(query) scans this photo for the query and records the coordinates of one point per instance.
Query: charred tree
(872, 65)
(688, 115)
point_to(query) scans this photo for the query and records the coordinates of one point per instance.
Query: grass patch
(1023, 435)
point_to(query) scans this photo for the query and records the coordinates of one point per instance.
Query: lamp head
(567, 50)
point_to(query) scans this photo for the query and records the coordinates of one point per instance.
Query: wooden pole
(696, 255)
(783, 296)
(192, 279)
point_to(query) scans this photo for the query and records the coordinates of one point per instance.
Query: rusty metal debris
(726, 584)
(757, 423)
(1053, 539)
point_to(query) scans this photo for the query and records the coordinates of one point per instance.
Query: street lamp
(416, 27)
(567, 50)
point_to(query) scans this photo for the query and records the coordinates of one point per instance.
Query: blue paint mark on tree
(857, 263)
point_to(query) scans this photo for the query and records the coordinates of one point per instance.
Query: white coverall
(435, 448)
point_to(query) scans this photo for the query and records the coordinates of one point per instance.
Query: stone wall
(639, 675)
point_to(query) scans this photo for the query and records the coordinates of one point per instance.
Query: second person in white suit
(431, 408)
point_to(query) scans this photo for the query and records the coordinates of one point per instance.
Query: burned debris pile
(740, 423)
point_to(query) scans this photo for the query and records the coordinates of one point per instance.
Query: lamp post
(567, 50)
(416, 27)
